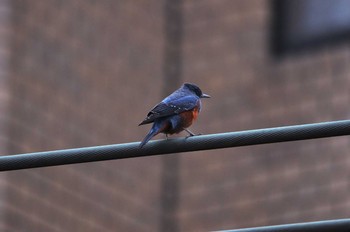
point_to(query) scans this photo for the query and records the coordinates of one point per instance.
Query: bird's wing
(175, 106)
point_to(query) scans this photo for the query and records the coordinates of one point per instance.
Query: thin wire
(161, 147)
(340, 225)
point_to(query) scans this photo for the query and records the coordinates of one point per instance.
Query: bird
(175, 113)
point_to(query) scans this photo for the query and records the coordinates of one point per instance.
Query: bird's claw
(191, 135)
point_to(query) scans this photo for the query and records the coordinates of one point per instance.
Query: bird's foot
(190, 133)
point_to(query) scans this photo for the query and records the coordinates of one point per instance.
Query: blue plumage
(175, 113)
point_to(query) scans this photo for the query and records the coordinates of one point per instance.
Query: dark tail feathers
(153, 132)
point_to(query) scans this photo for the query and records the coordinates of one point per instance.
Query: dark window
(303, 24)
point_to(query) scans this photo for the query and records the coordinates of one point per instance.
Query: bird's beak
(205, 95)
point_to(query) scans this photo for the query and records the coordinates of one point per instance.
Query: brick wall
(84, 73)
(74, 66)
(226, 52)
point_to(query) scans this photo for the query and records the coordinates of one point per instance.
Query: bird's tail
(153, 132)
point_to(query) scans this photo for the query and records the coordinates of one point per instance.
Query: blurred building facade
(85, 73)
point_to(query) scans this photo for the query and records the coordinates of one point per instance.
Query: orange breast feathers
(195, 113)
(189, 116)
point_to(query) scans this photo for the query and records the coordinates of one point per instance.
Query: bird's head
(196, 90)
